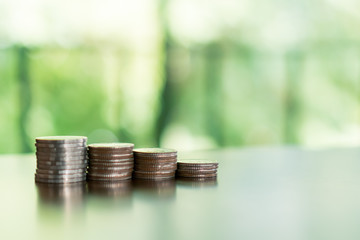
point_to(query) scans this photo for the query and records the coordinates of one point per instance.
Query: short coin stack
(155, 163)
(197, 168)
(110, 161)
(60, 159)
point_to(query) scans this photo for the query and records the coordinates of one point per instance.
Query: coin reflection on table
(61, 194)
(162, 188)
(110, 188)
(197, 182)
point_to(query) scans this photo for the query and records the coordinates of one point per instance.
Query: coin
(200, 175)
(112, 168)
(60, 145)
(63, 176)
(110, 175)
(61, 150)
(54, 163)
(122, 164)
(61, 139)
(110, 152)
(194, 167)
(197, 171)
(111, 146)
(62, 153)
(110, 156)
(110, 161)
(146, 151)
(58, 172)
(197, 162)
(155, 167)
(93, 178)
(61, 167)
(154, 161)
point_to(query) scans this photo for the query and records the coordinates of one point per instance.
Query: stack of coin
(155, 163)
(61, 159)
(110, 161)
(197, 168)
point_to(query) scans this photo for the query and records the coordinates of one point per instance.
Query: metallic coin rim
(197, 161)
(156, 173)
(61, 163)
(110, 145)
(197, 175)
(61, 150)
(65, 167)
(154, 150)
(110, 156)
(153, 162)
(111, 160)
(60, 145)
(61, 154)
(108, 179)
(60, 139)
(59, 159)
(92, 164)
(53, 176)
(127, 173)
(111, 168)
(59, 172)
(153, 177)
(196, 171)
(197, 167)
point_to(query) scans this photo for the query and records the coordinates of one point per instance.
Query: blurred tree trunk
(294, 61)
(214, 103)
(24, 95)
(167, 92)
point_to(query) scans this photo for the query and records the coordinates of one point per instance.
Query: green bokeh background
(180, 73)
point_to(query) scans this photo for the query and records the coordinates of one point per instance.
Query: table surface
(260, 193)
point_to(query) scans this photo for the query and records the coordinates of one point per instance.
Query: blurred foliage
(183, 74)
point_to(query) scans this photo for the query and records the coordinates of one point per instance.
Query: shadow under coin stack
(197, 168)
(61, 159)
(155, 163)
(110, 161)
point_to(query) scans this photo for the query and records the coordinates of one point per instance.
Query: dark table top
(260, 193)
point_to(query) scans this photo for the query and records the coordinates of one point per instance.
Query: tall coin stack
(110, 161)
(61, 159)
(197, 168)
(155, 163)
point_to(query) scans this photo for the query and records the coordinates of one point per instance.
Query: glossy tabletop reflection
(260, 193)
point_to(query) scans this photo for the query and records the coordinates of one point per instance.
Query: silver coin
(111, 160)
(197, 171)
(59, 172)
(107, 179)
(61, 139)
(67, 152)
(61, 167)
(111, 175)
(61, 159)
(110, 168)
(154, 151)
(61, 150)
(52, 176)
(91, 165)
(60, 145)
(54, 163)
(109, 156)
(199, 162)
(69, 180)
(110, 146)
